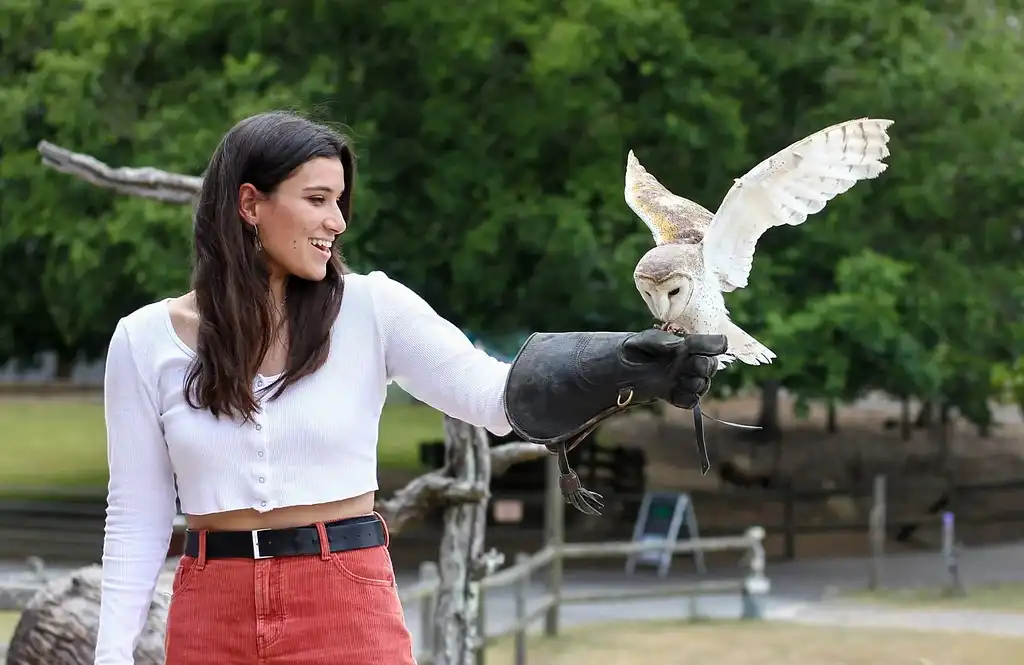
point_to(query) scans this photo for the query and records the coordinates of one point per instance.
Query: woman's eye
(317, 200)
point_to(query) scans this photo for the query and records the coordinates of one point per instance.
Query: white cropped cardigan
(315, 443)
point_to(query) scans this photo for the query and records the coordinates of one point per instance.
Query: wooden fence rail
(752, 588)
(59, 527)
(71, 527)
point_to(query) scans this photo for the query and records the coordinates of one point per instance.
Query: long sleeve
(434, 361)
(140, 503)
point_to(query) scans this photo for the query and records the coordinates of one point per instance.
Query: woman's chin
(312, 273)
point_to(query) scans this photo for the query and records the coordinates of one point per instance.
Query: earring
(256, 239)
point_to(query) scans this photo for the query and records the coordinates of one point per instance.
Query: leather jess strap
(351, 534)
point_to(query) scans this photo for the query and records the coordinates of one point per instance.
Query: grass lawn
(8, 620)
(735, 643)
(1005, 597)
(763, 643)
(61, 443)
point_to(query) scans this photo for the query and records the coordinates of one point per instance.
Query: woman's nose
(336, 223)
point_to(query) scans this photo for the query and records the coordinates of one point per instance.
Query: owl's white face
(667, 300)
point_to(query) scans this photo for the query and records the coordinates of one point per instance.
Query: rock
(58, 625)
(842, 506)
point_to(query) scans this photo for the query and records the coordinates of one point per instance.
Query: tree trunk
(769, 420)
(462, 562)
(65, 364)
(58, 626)
(906, 432)
(833, 424)
(925, 415)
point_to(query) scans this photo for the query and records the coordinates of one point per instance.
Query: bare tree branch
(147, 182)
(507, 454)
(437, 488)
(423, 493)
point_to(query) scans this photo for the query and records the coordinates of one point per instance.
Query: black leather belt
(351, 534)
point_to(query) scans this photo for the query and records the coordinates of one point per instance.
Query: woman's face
(298, 223)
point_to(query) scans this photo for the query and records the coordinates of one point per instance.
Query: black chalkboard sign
(664, 517)
(661, 510)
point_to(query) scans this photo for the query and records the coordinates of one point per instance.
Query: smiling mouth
(323, 246)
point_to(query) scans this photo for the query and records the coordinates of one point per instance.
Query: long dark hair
(232, 280)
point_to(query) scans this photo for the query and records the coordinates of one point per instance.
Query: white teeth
(320, 243)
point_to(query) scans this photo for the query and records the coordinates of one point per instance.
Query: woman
(255, 401)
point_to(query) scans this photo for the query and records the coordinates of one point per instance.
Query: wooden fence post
(876, 533)
(554, 528)
(953, 586)
(756, 585)
(481, 629)
(521, 589)
(789, 521)
(428, 575)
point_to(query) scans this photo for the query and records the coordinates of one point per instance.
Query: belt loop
(201, 559)
(387, 534)
(325, 545)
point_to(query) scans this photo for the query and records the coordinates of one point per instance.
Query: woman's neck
(277, 300)
(277, 290)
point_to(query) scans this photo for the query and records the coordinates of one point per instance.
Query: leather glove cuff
(561, 385)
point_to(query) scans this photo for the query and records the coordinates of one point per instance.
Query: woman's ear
(248, 198)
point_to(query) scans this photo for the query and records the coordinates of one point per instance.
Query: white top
(316, 443)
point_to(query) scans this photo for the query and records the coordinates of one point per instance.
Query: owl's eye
(673, 292)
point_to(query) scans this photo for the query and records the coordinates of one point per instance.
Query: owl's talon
(671, 328)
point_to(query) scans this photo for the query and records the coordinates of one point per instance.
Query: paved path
(800, 592)
(1007, 624)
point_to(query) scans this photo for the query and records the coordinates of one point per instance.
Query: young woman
(255, 400)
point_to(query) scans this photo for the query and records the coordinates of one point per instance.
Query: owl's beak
(661, 303)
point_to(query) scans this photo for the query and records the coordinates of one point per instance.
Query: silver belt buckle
(256, 545)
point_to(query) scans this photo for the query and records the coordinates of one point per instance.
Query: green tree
(492, 143)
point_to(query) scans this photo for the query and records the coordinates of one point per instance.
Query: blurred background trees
(492, 143)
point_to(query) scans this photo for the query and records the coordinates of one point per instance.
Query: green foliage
(492, 143)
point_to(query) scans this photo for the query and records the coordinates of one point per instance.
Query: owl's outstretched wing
(670, 218)
(788, 187)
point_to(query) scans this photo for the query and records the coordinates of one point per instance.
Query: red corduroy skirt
(337, 608)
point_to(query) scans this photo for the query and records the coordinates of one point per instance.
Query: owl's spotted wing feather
(787, 188)
(670, 218)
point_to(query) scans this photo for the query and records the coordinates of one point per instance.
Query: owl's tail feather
(745, 348)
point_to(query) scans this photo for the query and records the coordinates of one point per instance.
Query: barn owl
(698, 256)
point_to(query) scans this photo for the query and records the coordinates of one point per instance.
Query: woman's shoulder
(147, 326)
(365, 280)
(380, 287)
(148, 317)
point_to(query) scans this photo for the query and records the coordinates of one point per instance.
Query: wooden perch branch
(438, 488)
(147, 182)
(423, 493)
(507, 454)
